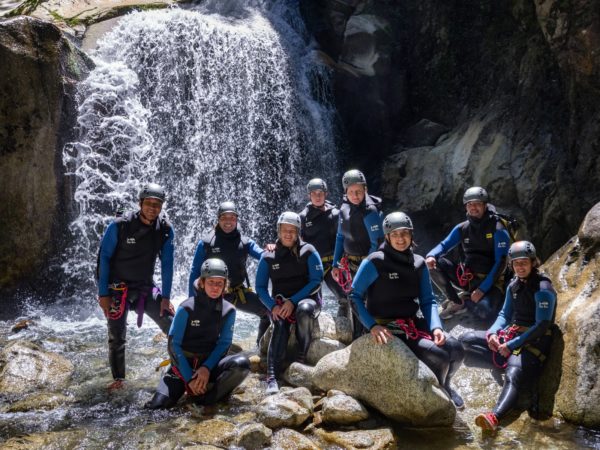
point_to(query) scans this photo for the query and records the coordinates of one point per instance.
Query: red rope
(344, 275)
(117, 307)
(411, 330)
(504, 336)
(280, 300)
(464, 275)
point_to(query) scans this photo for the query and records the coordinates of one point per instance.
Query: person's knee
(513, 375)
(455, 348)
(469, 338)
(240, 363)
(305, 310)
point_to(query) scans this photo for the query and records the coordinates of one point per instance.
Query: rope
(464, 275)
(117, 307)
(410, 329)
(280, 300)
(344, 275)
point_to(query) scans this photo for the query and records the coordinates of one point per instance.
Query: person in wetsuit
(199, 338)
(519, 340)
(359, 232)
(226, 242)
(296, 273)
(319, 222)
(128, 252)
(483, 242)
(384, 293)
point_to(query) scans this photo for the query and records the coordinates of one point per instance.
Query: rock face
(390, 379)
(516, 83)
(25, 367)
(575, 270)
(37, 77)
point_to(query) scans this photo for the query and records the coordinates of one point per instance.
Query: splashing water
(214, 107)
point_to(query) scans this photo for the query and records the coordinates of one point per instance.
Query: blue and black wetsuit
(527, 316)
(201, 334)
(484, 245)
(128, 253)
(384, 291)
(296, 274)
(319, 228)
(233, 248)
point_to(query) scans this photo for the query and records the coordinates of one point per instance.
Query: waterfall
(224, 101)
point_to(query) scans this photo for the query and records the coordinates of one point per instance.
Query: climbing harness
(344, 275)
(280, 300)
(510, 333)
(117, 307)
(408, 327)
(463, 275)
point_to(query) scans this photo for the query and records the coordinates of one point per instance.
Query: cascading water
(214, 107)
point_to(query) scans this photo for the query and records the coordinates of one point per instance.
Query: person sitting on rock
(359, 232)
(483, 243)
(227, 243)
(519, 340)
(391, 280)
(128, 252)
(296, 273)
(199, 338)
(319, 227)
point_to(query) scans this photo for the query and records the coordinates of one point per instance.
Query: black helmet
(214, 267)
(227, 207)
(289, 217)
(476, 194)
(522, 250)
(353, 177)
(316, 184)
(396, 221)
(152, 190)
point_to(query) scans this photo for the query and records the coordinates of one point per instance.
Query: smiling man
(128, 253)
(484, 243)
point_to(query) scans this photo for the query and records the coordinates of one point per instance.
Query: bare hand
(105, 303)
(199, 381)
(270, 248)
(335, 273)
(504, 350)
(431, 262)
(286, 309)
(477, 295)
(439, 338)
(493, 342)
(381, 335)
(166, 305)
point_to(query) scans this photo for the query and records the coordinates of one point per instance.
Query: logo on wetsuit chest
(195, 323)
(275, 267)
(544, 305)
(374, 227)
(131, 240)
(393, 276)
(466, 240)
(308, 224)
(216, 250)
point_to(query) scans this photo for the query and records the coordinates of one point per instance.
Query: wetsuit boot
(159, 401)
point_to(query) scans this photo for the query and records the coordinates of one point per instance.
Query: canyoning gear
(396, 221)
(152, 190)
(458, 401)
(475, 194)
(290, 218)
(344, 275)
(214, 267)
(227, 207)
(353, 176)
(407, 327)
(487, 421)
(119, 302)
(522, 250)
(319, 228)
(316, 184)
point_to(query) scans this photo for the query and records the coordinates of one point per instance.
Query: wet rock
(340, 408)
(25, 367)
(21, 325)
(321, 347)
(423, 134)
(589, 232)
(286, 439)
(299, 375)
(37, 110)
(390, 379)
(254, 436)
(216, 432)
(250, 392)
(48, 440)
(43, 401)
(364, 439)
(288, 408)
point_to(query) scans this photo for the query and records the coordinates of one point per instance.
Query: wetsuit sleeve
(504, 315)
(167, 254)
(254, 250)
(108, 246)
(501, 245)
(339, 245)
(545, 302)
(427, 301)
(176, 333)
(451, 241)
(223, 343)
(199, 257)
(262, 284)
(315, 277)
(365, 277)
(373, 223)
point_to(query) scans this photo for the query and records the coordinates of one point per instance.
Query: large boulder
(575, 270)
(390, 379)
(288, 408)
(37, 110)
(25, 367)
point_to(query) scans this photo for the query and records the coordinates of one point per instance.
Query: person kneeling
(199, 338)
(390, 280)
(519, 340)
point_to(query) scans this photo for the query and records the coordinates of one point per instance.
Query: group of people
(368, 263)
